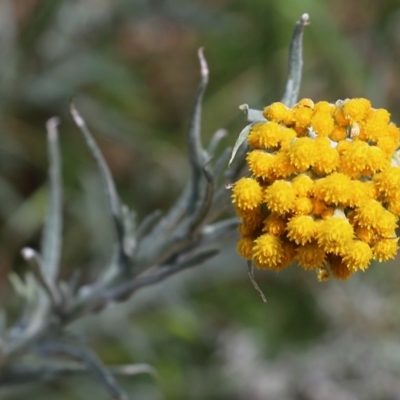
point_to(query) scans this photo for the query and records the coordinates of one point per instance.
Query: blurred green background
(133, 68)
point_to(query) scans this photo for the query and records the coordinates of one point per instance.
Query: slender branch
(147, 223)
(24, 373)
(89, 359)
(250, 270)
(51, 244)
(128, 288)
(39, 270)
(199, 217)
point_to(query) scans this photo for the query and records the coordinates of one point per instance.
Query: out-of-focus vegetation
(132, 65)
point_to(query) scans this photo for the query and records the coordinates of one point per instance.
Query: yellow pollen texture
(323, 188)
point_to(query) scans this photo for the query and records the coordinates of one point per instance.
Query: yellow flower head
(282, 168)
(339, 269)
(260, 163)
(355, 158)
(274, 224)
(302, 229)
(311, 256)
(385, 249)
(322, 123)
(388, 182)
(303, 153)
(265, 135)
(323, 188)
(245, 247)
(372, 214)
(356, 110)
(247, 194)
(334, 234)
(268, 251)
(334, 189)
(358, 256)
(276, 112)
(303, 185)
(280, 197)
(328, 159)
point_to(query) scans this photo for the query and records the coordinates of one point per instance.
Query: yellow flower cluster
(324, 188)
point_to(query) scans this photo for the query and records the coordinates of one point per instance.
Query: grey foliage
(161, 246)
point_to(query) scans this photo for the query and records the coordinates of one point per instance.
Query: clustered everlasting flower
(324, 188)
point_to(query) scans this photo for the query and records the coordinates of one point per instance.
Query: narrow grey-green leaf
(242, 137)
(295, 62)
(251, 114)
(195, 147)
(110, 190)
(44, 279)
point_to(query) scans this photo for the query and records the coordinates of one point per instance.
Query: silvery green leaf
(295, 62)
(251, 114)
(242, 137)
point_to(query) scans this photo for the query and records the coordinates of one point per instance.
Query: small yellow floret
(275, 112)
(303, 153)
(340, 116)
(287, 136)
(319, 207)
(252, 221)
(260, 163)
(388, 144)
(302, 116)
(271, 134)
(305, 102)
(303, 206)
(310, 256)
(265, 135)
(323, 274)
(367, 235)
(327, 159)
(302, 229)
(361, 191)
(334, 189)
(376, 124)
(388, 182)
(267, 251)
(394, 206)
(339, 269)
(371, 214)
(280, 197)
(385, 249)
(274, 224)
(358, 256)
(355, 110)
(302, 185)
(245, 247)
(339, 133)
(289, 255)
(335, 234)
(322, 123)
(282, 168)
(324, 107)
(247, 194)
(378, 160)
(355, 158)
